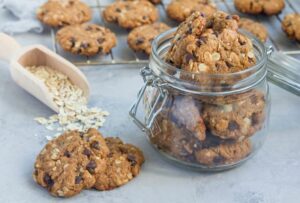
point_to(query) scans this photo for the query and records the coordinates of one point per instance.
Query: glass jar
(205, 121)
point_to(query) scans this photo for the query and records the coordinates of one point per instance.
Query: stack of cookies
(76, 161)
(210, 130)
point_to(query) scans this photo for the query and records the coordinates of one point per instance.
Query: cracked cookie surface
(140, 38)
(86, 39)
(181, 9)
(269, 7)
(131, 14)
(123, 164)
(58, 13)
(69, 163)
(291, 26)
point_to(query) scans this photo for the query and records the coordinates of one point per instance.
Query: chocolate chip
(233, 125)
(100, 49)
(87, 152)
(91, 166)
(81, 134)
(47, 179)
(145, 17)
(67, 154)
(190, 31)
(201, 41)
(131, 159)
(228, 17)
(95, 145)
(78, 179)
(189, 57)
(73, 41)
(84, 45)
(228, 64)
(139, 41)
(118, 10)
(202, 14)
(242, 43)
(254, 119)
(218, 160)
(100, 40)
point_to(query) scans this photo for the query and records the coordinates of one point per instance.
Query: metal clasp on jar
(150, 80)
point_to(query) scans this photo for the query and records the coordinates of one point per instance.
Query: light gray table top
(273, 175)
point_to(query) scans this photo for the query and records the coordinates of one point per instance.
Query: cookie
(86, 39)
(140, 38)
(57, 13)
(123, 164)
(69, 163)
(177, 142)
(131, 14)
(181, 9)
(152, 1)
(291, 26)
(237, 116)
(256, 28)
(269, 7)
(211, 45)
(227, 153)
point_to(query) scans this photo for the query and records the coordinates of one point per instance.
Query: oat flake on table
(73, 111)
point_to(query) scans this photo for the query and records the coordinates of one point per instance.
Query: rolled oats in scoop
(73, 111)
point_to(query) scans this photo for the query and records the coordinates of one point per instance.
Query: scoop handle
(8, 47)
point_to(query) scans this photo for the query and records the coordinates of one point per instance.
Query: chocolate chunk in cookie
(237, 116)
(181, 9)
(269, 7)
(131, 14)
(291, 26)
(86, 39)
(140, 38)
(65, 12)
(69, 163)
(256, 28)
(211, 45)
(226, 153)
(123, 164)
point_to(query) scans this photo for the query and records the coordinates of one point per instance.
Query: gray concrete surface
(273, 175)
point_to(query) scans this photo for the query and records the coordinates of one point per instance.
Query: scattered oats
(73, 111)
(250, 54)
(202, 67)
(216, 56)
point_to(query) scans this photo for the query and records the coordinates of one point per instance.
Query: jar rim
(256, 42)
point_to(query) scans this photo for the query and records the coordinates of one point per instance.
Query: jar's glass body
(209, 122)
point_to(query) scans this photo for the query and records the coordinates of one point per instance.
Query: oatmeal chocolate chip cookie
(181, 9)
(256, 28)
(69, 163)
(86, 39)
(269, 7)
(123, 164)
(140, 38)
(226, 153)
(59, 13)
(291, 26)
(237, 116)
(131, 14)
(211, 45)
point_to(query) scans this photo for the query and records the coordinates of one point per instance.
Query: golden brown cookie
(226, 153)
(269, 7)
(86, 39)
(123, 164)
(131, 14)
(59, 13)
(291, 26)
(181, 9)
(69, 163)
(140, 38)
(256, 28)
(237, 116)
(211, 45)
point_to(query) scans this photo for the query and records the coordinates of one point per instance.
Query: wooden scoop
(38, 55)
